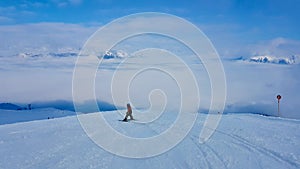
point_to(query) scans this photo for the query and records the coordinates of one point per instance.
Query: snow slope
(241, 141)
(15, 116)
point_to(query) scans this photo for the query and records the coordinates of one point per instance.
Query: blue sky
(230, 24)
(265, 18)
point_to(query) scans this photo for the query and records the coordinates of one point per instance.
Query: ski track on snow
(220, 151)
(243, 143)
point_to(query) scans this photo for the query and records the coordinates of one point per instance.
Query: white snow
(283, 60)
(240, 141)
(15, 116)
(114, 54)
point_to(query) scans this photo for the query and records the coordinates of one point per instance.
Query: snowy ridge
(240, 141)
(114, 54)
(17, 116)
(9, 106)
(44, 52)
(275, 60)
(271, 59)
(52, 54)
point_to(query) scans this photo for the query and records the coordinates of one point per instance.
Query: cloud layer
(251, 86)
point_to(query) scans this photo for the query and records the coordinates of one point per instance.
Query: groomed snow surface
(240, 141)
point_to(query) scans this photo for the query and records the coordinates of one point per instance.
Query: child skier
(128, 113)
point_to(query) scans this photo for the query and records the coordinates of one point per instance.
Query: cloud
(28, 5)
(225, 37)
(7, 14)
(5, 20)
(41, 77)
(255, 86)
(229, 46)
(42, 37)
(17, 13)
(64, 3)
(7, 9)
(75, 2)
(276, 47)
(50, 78)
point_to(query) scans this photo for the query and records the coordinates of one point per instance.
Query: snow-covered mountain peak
(52, 54)
(283, 60)
(273, 59)
(114, 54)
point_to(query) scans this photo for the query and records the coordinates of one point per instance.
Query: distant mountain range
(57, 104)
(9, 106)
(37, 55)
(271, 59)
(119, 54)
(112, 54)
